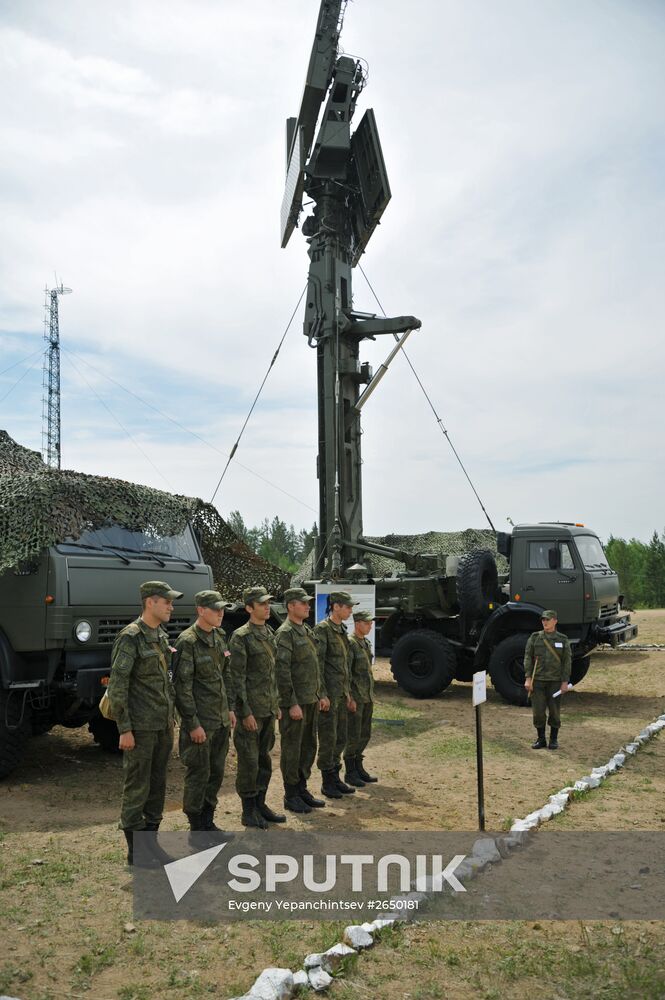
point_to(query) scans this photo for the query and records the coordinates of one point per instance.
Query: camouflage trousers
(298, 743)
(360, 729)
(542, 702)
(253, 749)
(204, 768)
(144, 787)
(332, 734)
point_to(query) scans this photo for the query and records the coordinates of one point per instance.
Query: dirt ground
(65, 899)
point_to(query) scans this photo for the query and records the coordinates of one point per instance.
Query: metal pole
(479, 765)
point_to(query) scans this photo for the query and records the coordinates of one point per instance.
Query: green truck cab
(445, 626)
(59, 616)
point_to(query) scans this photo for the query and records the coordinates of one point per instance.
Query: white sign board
(363, 593)
(479, 687)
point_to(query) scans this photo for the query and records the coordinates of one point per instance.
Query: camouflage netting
(450, 543)
(40, 506)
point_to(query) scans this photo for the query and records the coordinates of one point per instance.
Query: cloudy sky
(142, 160)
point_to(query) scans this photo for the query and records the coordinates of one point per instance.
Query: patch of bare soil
(64, 886)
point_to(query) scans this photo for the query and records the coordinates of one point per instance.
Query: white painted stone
(380, 923)
(560, 799)
(300, 978)
(357, 938)
(519, 834)
(619, 759)
(332, 959)
(273, 984)
(486, 849)
(469, 868)
(582, 785)
(319, 979)
(504, 846)
(311, 961)
(594, 781)
(600, 772)
(631, 748)
(523, 825)
(533, 817)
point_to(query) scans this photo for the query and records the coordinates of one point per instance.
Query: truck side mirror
(503, 540)
(554, 558)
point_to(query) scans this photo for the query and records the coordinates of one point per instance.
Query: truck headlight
(83, 631)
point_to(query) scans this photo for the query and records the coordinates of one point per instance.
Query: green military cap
(157, 588)
(342, 597)
(256, 595)
(363, 616)
(297, 594)
(210, 599)
(549, 614)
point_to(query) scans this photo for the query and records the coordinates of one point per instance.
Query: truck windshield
(591, 552)
(181, 546)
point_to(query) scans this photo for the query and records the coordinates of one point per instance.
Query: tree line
(274, 540)
(641, 569)
(640, 565)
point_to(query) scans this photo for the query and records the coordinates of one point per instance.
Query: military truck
(59, 615)
(442, 617)
(445, 618)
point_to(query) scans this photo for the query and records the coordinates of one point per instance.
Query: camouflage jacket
(334, 657)
(360, 669)
(140, 689)
(201, 678)
(297, 665)
(548, 664)
(253, 671)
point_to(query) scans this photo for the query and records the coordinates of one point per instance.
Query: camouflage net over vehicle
(449, 543)
(41, 506)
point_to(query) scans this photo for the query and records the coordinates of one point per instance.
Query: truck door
(561, 589)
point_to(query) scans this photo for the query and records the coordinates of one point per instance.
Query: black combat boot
(151, 827)
(208, 818)
(129, 837)
(250, 814)
(266, 811)
(360, 768)
(307, 796)
(554, 742)
(541, 742)
(195, 822)
(341, 787)
(351, 776)
(329, 785)
(293, 801)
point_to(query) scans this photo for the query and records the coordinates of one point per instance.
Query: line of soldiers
(317, 683)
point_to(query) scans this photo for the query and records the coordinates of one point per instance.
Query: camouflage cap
(297, 594)
(256, 595)
(157, 588)
(342, 597)
(547, 615)
(363, 616)
(210, 599)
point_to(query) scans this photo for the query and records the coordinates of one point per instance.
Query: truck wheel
(579, 669)
(12, 741)
(506, 668)
(105, 732)
(423, 663)
(477, 583)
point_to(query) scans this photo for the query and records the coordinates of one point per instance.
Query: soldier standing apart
(362, 692)
(141, 700)
(200, 683)
(547, 661)
(298, 684)
(334, 671)
(256, 705)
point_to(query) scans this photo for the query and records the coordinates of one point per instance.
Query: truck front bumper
(616, 632)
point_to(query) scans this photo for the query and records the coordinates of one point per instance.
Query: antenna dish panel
(295, 185)
(372, 180)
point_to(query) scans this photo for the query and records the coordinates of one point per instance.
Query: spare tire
(423, 662)
(477, 583)
(506, 668)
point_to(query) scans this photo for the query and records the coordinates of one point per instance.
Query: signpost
(479, 696)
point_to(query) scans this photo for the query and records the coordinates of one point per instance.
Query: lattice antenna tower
(51, 377)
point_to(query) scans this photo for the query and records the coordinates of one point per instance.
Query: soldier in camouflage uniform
(334, 667)
(256, 705)
(298, 685)
(362, 692)
(140, 694)
(547, 662)
(200, 681)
